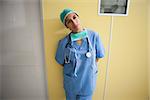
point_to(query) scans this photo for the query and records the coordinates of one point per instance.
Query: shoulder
(64, 40)
(92, 33)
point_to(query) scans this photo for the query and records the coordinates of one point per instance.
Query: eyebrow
(69, 19)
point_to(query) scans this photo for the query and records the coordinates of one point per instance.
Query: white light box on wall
(113, 7)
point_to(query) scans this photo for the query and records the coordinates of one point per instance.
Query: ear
(66, 26)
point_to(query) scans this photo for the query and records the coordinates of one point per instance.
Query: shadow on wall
(54, 31)
(60, 30)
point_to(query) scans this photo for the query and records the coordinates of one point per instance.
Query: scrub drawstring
(76, 65)
(77, 60)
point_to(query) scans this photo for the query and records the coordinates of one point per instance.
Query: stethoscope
(88, 54)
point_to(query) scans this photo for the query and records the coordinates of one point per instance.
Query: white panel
(23, 71)
(14, 12)
(1, 22)
(19, 58)
(18, 40)
(0, 82)
(22, 82)
(1, 48)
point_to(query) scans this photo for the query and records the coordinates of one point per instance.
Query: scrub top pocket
(69, 83)
(92, 61)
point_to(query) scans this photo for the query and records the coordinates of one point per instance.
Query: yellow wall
(128, 71)
(128, 66)
(149, 45)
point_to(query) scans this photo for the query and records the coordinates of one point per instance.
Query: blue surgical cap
(65, 13)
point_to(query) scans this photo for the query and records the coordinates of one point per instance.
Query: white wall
(22, 51)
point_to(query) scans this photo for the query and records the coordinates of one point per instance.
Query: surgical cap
(65, 13)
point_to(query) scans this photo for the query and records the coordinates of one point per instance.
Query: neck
(79, 30)
(79, 35)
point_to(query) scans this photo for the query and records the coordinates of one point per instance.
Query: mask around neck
(78, 36)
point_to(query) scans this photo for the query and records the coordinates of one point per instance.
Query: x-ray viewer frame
(113, 7)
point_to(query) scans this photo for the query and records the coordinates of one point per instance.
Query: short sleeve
(100, 51)
(60, 53)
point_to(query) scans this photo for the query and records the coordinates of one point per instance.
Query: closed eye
(74, 17)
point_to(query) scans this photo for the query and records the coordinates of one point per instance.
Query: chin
(77, 29)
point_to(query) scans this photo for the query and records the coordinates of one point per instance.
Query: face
(73, 23)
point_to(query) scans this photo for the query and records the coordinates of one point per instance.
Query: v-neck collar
(79, 46)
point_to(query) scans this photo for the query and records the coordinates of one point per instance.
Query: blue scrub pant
(78, 97)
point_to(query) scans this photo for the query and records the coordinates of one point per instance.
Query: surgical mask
(78, 36)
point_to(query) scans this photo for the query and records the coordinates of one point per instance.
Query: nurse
(78, 53)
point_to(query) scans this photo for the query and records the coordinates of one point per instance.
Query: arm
(100, 52)
(59, 57)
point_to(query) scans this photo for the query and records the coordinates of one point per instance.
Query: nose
(74, 22)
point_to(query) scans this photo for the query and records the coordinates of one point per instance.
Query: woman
(79, 53)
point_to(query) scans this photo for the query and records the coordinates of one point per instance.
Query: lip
(76, 26)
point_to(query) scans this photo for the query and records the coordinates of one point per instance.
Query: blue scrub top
(79, 70)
